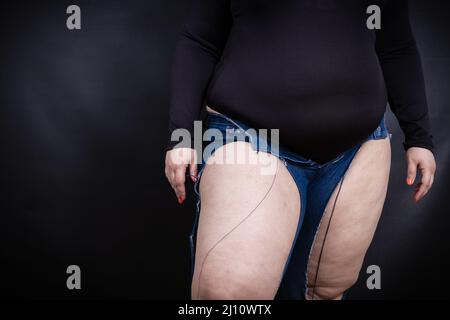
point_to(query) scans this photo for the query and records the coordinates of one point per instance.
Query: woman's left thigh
(344, 236)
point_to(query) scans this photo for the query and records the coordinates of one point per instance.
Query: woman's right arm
(198, 50)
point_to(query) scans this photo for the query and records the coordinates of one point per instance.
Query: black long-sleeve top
(310, 68)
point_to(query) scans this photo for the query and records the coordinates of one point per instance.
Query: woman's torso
(307, 68)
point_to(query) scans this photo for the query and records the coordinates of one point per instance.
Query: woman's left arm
(402, 68)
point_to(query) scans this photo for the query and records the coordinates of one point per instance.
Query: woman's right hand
(177, 161)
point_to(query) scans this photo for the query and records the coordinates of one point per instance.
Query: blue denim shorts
(315, 182)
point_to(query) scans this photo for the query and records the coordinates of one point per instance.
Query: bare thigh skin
(245, 231)
(353, 223)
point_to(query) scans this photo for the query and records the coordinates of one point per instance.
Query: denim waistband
(241, 131)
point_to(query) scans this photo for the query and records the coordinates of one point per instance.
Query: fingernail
(409, 181)
(194, 178)
(180, 199)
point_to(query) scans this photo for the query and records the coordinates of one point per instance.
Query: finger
(193, 170)
(167, 173)
(171, 178)
(427, 179)
(411, 173)
(171, 174)
(424, 185)
(174, 156)
(179, 182)
(419, 192)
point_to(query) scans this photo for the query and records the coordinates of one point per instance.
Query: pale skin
(248, 262)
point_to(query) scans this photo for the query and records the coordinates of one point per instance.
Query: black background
(83, 128)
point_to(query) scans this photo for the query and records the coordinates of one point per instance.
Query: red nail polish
(180, 199)
(409, 181)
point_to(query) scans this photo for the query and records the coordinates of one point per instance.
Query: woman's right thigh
(247, 224)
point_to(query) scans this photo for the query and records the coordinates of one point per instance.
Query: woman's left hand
(420, 159)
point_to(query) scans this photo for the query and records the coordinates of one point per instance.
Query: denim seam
(196, 220)
(305, 285)
(240, 127)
